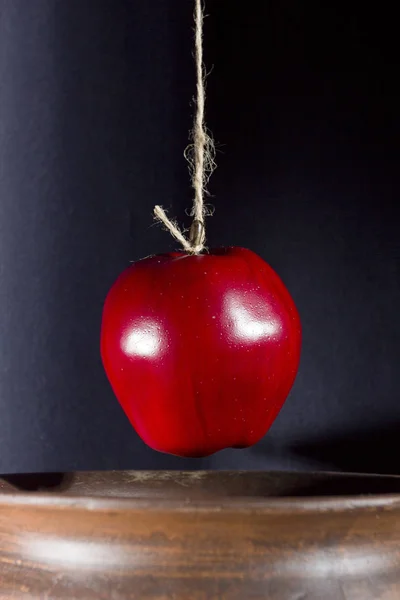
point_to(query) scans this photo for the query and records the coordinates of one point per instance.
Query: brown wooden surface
(200, 535)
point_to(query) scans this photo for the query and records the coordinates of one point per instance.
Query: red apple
(201, 351)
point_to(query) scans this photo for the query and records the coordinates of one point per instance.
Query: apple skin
(200, 350)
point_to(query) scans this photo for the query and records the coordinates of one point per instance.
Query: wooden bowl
(200, 535)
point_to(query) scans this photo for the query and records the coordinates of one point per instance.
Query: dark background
(95, 106)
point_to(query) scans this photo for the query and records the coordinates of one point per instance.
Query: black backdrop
(94, 113)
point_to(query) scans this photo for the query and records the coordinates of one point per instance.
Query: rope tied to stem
(200, 155)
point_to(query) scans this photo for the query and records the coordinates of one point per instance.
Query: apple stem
(196, 235)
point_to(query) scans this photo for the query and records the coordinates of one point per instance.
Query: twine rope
(200, 155)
